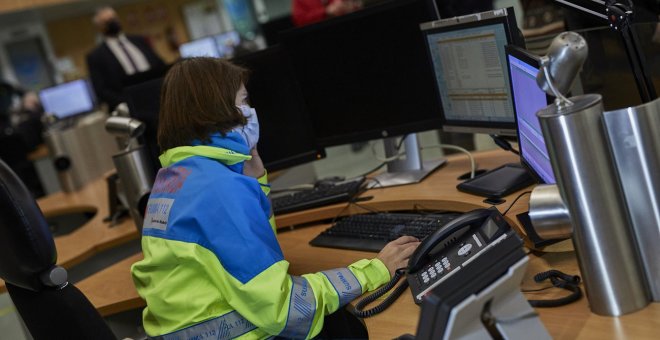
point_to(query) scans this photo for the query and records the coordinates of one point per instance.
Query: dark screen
(286, 137)
(286, 134)
(365, 75)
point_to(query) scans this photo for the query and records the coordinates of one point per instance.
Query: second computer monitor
(469, 65)
(528, 99)
(364, 75)
(287, 137)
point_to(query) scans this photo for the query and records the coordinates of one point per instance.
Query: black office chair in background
(51, 307)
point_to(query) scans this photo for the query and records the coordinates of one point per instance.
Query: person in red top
(306, 12)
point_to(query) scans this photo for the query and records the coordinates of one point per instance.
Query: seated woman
(212, 264)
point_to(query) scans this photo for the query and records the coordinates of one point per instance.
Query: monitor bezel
(505, 17)
(90, 92)
(530, 59)
(371, 133)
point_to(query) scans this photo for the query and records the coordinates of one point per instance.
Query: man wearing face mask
(118, 59)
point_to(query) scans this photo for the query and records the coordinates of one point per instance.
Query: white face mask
(251, 130)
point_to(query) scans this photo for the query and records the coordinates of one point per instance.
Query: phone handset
(445, 236)
(433, 244)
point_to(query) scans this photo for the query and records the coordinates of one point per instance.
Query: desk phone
(444, 253)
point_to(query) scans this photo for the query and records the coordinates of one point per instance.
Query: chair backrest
(50, 307)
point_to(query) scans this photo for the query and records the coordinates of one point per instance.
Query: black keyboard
(371, 232)
(324, 194)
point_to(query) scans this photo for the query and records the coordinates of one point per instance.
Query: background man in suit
(120, 60)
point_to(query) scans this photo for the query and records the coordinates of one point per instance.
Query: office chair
(51, 307)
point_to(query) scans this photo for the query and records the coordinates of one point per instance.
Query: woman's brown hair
(198, 98)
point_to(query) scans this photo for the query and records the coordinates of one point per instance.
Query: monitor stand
(408, 170)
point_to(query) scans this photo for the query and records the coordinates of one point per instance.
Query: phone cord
(357, 310)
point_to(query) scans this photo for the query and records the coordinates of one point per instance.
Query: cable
(351, 201)
(458, 148)
(503, 143)
(514, 202)
(383, 159)
(398, 274)
(559, 280)
(382, 164)
(389, 159)
(536, 290)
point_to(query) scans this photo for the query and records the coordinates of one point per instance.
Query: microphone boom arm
(620, 17)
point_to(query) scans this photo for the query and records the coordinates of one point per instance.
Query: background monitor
(364, 75)
(469, 65)
(226, 43)
(204, 47)
(528, 99)
(67, 99)
(287, 137)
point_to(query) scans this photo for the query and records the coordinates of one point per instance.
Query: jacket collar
(229, 150)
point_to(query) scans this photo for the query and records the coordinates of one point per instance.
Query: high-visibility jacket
(212, 265)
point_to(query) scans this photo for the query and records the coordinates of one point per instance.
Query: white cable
(455, 147)
(383, 159)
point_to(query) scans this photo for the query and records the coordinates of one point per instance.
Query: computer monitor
(528, 99)
(287, 137)
(469, 66)
(204, 47)
(68, 99)
(226, 43)
(364, 75)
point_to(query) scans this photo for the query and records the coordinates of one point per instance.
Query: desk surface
(112, 291)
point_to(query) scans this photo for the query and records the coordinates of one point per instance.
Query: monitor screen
(204, 47)
(470, 70)
(286, 133)
(364, 75)
(286, 137)
(68, 99)
(226, 43)
(528, 99)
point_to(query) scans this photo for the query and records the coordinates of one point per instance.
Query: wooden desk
(112, 291)
(568, 322)
(93, 237)
(41, 151)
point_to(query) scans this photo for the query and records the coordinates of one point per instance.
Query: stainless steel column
(634, 135)
(136, 177)
(587, 179)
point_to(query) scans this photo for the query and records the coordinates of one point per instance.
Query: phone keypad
(459, 254)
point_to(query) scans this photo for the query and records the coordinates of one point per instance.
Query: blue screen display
(528, 99)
